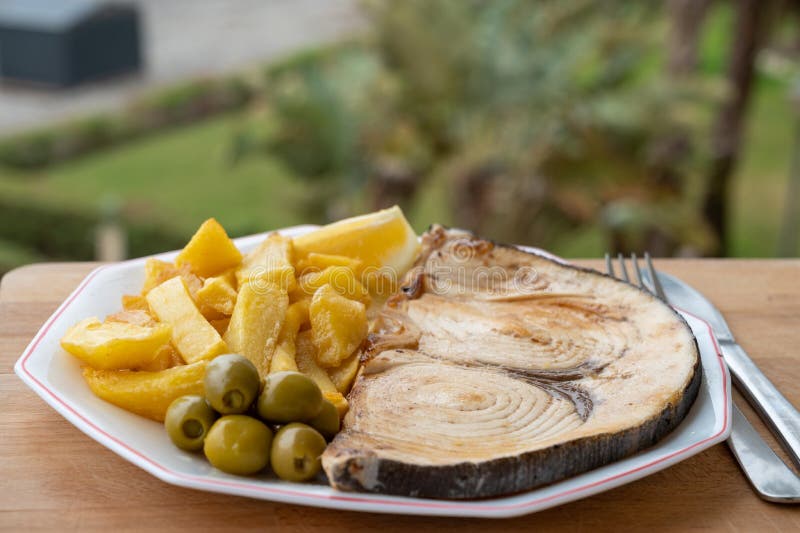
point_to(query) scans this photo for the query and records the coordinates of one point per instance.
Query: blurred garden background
(575, 125)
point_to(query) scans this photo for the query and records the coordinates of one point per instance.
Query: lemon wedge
(383, 242)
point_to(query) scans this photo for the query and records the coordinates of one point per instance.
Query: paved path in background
(185, 39)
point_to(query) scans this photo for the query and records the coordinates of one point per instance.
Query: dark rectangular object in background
(63, 43)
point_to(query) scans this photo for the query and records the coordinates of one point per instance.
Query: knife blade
(767, 473)
(780, 416)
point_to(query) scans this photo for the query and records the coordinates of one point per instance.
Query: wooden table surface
(52, 476)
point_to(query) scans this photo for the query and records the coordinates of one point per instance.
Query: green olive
(296, 452)
(238, 444)
(231, 383)
(289, 397)
(188, 420)
(327, 421)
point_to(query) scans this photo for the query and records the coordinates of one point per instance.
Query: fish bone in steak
(496, 370)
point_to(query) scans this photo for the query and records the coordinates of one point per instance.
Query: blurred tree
(747, 36)
(312, 116)
(544, 116)
(541, 117)
(687, 18)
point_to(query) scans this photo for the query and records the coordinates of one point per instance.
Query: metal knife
(777, 412)
(766, 472)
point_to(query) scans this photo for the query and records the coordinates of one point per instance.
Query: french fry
(157, 272)
(140, 318)
(216, 297)
(166, 357)
(338, 400)
(338, 326)
(257, 319)
(146, 393)
(230, 276)
(210, 251)
(191, 280)
(221, 325)
(343, 279)
(319, 262)
(135, 302)
(296, 317)
(343, 375)
(114, 345)
(283, 359)
(270, 262)
(307, 364)
(192, 335)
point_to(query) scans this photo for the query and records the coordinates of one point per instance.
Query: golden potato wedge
(338, 326)
(131, 302)
(216, 297)
(271, 262)
(157, 272)
(319, 262)
(297, 315)
(192, 335)
(221, 325)
(257, 319)
(230, 276)
(343, 375)
(341, 278)
(210, 251)
(283, 358)
(114, 345)
(166, 357)
(307, 364)
(338, 400)
(140, 318)
(146, 393)
(192, 281)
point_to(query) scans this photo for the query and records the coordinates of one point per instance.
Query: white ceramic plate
(55, 376)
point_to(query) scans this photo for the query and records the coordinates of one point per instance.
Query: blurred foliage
(13, 255)
(542, 117)
(27, 234)
(311, 119)
(175, 105)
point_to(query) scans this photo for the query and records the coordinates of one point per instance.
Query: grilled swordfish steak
(495, 370)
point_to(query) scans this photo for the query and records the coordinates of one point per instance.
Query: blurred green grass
(13, 255)
(178, 179)
(181, 177)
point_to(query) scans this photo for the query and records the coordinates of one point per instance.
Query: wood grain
(54, 477)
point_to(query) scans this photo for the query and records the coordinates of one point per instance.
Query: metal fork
(767, 473)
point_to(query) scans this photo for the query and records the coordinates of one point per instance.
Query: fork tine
(654, 276)
(623, 268)
(638, 272)
(610, 266)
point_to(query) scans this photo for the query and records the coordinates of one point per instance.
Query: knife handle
(775, 410)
